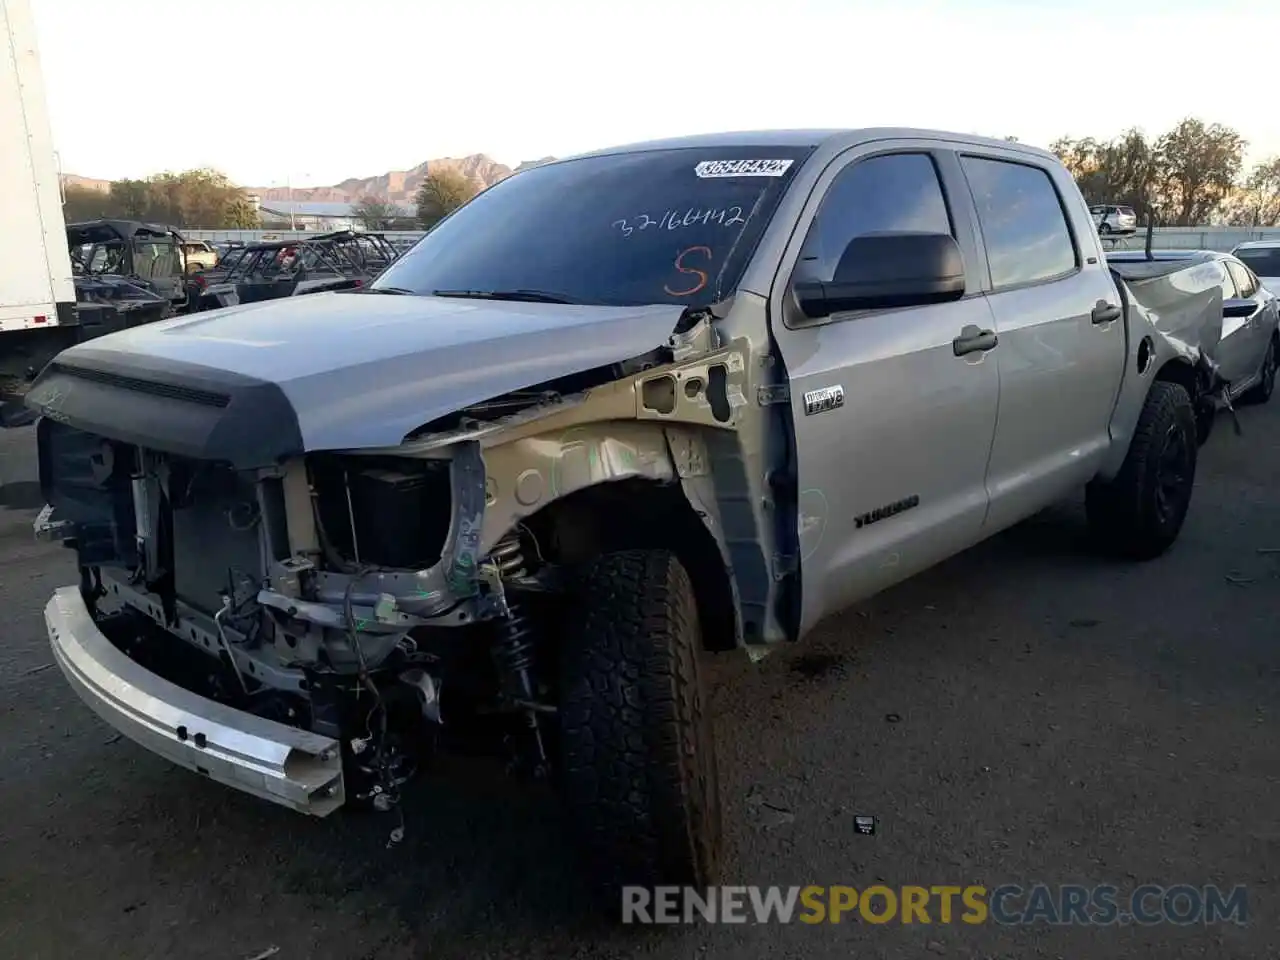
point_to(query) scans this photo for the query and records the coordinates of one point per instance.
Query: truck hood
(350, 370)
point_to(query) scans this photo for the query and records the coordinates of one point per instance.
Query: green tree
(85, 203)
(193, 198)
(1257, 202)
(131, 199)
(442, 193)
(1124, 170)
(1198, 165)
(240, 214)
(377, 214)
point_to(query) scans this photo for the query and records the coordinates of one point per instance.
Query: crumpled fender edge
(1136, 384)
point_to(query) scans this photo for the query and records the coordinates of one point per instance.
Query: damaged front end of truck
(310, 625)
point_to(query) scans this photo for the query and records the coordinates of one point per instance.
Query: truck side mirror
(1235, 309)
(884, 270)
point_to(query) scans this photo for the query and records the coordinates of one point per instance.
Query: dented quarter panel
(1179, 315)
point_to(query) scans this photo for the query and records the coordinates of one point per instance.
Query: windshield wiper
(393, 291)
(527, 296)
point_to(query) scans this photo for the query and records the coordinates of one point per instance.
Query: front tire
(638, 756)
(1140, 513)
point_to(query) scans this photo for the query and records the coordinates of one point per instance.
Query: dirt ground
(1024, 713)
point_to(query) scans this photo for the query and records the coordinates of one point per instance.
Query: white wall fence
(1196, 238)
(1179, 238)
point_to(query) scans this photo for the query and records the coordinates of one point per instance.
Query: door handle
(974, 340)
(1104, 312)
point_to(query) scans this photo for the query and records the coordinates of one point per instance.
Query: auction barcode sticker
(742, 168)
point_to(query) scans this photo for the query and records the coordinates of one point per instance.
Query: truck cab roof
(832, 139)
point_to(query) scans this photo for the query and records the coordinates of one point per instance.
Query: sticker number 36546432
(742, 168)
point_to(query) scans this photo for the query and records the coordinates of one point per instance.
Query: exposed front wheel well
(637, 514)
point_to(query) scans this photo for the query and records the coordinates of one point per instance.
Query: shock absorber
(513, 653)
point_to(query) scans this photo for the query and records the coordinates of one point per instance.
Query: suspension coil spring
(508, 556)
(513, 652)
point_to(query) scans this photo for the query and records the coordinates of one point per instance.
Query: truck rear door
(1062, 339)
(893, 425)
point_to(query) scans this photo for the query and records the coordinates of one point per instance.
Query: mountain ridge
(393, 186)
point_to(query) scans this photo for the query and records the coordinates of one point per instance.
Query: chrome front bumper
(291, 767)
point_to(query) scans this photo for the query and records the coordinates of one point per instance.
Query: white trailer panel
(35, 268)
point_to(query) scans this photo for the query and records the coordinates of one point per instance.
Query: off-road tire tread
(639, 770)
(1122, 512)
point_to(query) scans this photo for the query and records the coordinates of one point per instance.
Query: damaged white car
(615, 411)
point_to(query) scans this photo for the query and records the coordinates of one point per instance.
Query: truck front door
(892, 427)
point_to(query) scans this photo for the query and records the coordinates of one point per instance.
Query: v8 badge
(820, 401)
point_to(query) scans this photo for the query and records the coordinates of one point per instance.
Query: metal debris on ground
(1240, 581)
(865, 825)
(269, 952)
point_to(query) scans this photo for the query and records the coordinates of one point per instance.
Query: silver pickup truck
(614, 412)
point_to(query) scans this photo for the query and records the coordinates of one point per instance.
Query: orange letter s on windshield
(701, 275)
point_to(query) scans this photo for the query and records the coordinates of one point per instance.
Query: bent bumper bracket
(291, 767)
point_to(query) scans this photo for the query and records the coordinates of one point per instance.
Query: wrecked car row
(512, 490)
(345, 260)
(127, 273)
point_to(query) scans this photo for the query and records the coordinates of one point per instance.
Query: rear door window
(1023, 224)
(1246, 282)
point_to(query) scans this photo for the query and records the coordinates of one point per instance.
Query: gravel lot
(1023, 713)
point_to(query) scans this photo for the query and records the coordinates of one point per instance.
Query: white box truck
(37, 290)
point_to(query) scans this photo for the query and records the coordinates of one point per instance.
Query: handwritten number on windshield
(676, 220)
(695, 286)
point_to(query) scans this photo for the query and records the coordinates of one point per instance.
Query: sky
(311, 92)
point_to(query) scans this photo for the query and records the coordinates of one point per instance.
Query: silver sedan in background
(1249, 348)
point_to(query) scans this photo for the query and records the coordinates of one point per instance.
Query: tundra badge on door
(820, 401)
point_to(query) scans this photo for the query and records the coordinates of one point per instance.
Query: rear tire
(1140, 513)
(639, 769)
(1261, 391)
(1104, 229)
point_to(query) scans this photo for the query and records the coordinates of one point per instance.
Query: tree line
(1192, 175)
(441, 193)
(193, 198)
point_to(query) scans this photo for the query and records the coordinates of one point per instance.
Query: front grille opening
(214, 519)
(401, 508)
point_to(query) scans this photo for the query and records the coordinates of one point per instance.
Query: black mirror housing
(880, 271)
(1236, 309)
